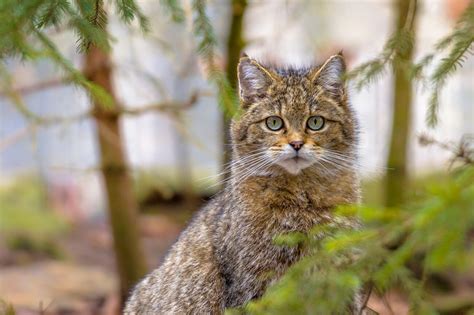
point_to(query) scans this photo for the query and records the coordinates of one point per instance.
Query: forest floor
(82, 280)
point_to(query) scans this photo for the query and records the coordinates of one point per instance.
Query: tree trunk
(397, 173)
(122, 206)
(235, 44)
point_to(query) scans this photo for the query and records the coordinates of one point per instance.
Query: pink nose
(296, 144)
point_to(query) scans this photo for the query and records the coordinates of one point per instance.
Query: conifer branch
(51, 13)
(460, 45)
(128, 10)
(89, 24)
(174, 9)
(207, 45)
(368, 72)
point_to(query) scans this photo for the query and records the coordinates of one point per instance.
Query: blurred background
(56, 244)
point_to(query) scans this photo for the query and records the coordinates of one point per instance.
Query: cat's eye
(274, 123)
(316, 123)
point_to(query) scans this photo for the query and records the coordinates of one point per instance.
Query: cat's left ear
(254, 80)
(330, 76)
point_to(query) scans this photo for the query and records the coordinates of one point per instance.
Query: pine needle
(459, 45)
(207, 45)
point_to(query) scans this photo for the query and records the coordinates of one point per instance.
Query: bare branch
(13, 138)
(171, 106)
(168, 106)
(35, 87)
(462, 151)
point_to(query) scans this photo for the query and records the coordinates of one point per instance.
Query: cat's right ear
(254, 80)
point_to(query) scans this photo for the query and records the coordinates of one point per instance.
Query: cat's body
(227, 255)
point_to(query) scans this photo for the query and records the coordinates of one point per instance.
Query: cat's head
(293, 119)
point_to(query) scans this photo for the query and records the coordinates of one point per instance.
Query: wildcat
(293, 162)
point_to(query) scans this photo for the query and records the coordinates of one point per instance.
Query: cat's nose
(296, 144)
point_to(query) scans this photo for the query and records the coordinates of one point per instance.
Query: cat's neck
(311, 187)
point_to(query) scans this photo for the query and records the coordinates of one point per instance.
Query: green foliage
(459, 44)
(129, 10)
(51, 14)
(397, 45)
(173, 8)
(24, 209)
(207, 50)
(26, 220)
(90, 24)
(456, 46)
(26, 24)
(207, 44)
(432, 232)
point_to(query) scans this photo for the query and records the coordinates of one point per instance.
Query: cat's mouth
(295, 164)
(297, 159)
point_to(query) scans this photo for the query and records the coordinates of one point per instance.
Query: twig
(366, 299)
(13, 138)
(35, 87)
(463, 151)
(171, 106)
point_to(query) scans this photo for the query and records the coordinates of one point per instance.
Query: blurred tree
(122, 204)
(397, 173)
(235, 45)
(24, 34)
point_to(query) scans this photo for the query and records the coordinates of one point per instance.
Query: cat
(293, 161)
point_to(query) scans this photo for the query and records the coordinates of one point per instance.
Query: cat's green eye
(274, 123)
(316, 123)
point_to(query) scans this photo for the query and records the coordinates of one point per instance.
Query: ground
(83, 281)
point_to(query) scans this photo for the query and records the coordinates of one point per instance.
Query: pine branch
(15, 28)
(51, 13)
(128, 11)
(459, 45)
(446, 67)
(396, 46)
(173, 8)
(72, 73)
(90, 24)
(207, 45)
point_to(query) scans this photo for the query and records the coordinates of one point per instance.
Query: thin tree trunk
(235, 44)
(122, 205)
(397, 174)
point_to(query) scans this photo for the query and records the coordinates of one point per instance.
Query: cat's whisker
(242, 175)
(249, 155)
(337, 165)
(246, 159)
(325, 169)
(248, 168)
(341, 157)
(238, 171)
(349, 154)
(235, 165)
(258, 168)
(343, 161)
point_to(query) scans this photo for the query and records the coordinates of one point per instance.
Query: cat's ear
(330, 76)
(254, 79)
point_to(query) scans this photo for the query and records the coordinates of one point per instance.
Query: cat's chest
(284, 210)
